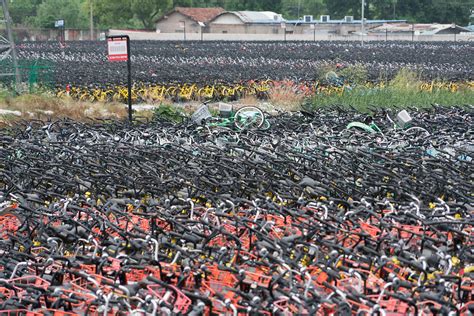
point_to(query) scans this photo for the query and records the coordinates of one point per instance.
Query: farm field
(358, 201)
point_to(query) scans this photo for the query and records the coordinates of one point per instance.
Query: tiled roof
(200, 14)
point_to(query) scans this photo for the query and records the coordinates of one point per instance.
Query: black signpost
(61, 25)
(119, 50)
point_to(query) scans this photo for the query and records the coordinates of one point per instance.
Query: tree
(298, 8)
(146, 11)
(143, 13)
(68, 10)
(113, 13)
(23, 11)
(341, 8)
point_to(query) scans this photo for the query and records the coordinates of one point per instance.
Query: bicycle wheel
(265, 125)
(331, 76)
(249, 117)
(10, 223)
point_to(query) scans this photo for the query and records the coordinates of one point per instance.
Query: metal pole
(129, 83)
(12, 44)
(201, 35)
(413, 32)
(362, 22)
(314, 33)
(386, 34)
(91, 20)
(184, 30)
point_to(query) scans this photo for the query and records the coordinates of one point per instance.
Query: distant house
(193, 19)
(256, 22)
(247, 22)
(420, 29)
(342, 27)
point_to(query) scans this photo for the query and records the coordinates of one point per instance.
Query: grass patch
(404, 90)
(46, 106)
(284, 97)
(363, 99)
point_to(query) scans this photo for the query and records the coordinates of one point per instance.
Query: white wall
(136, 35)
(172, 24)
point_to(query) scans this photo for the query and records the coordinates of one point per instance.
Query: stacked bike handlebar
(305, 218)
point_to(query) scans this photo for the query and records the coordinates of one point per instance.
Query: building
(247, 22)
(420, 29)
(191, 20)
(327, 26)
(250, 22)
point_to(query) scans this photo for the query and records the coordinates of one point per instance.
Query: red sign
(118, 50)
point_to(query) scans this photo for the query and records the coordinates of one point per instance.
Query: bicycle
(245, 118)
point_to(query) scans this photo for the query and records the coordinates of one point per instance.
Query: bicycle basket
(201, 114)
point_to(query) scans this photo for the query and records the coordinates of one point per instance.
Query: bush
(168, 113)
(406, 80)
(355, 74)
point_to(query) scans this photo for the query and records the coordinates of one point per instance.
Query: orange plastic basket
(175, 297)
(81, 284)
(57, 312)
(32, 280)
(9, 224)
(19, 312)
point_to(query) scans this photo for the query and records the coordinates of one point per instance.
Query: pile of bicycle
(260, 89)
(182, 71)
(325, 212)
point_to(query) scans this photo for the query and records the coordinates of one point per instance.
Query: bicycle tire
(243, 114)
(265, 125)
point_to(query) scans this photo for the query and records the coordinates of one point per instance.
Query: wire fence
(34, 74)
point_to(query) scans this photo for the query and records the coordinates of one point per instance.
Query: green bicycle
(245, 118)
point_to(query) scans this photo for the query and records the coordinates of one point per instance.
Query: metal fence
(34, 74)
(27, 34)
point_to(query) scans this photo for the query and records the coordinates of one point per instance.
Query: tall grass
(404, 90)
(43, 106)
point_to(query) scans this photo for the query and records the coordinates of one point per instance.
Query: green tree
(341, 8)
(143, 13)
(23, 11)
(146, 11)
(68, 10)
(130, 13)
(297, 8)
(113, 13)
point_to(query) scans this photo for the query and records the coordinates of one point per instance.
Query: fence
(139, 35)
(26, 34)
(34, 74)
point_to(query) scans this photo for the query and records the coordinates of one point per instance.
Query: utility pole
(362, 23)
(91, 20)
(394, 9)
(11, 42)
(182, 24)
(299, 8)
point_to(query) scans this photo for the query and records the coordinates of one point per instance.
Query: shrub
(168, 113)
(356, 74)
(406, 80)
